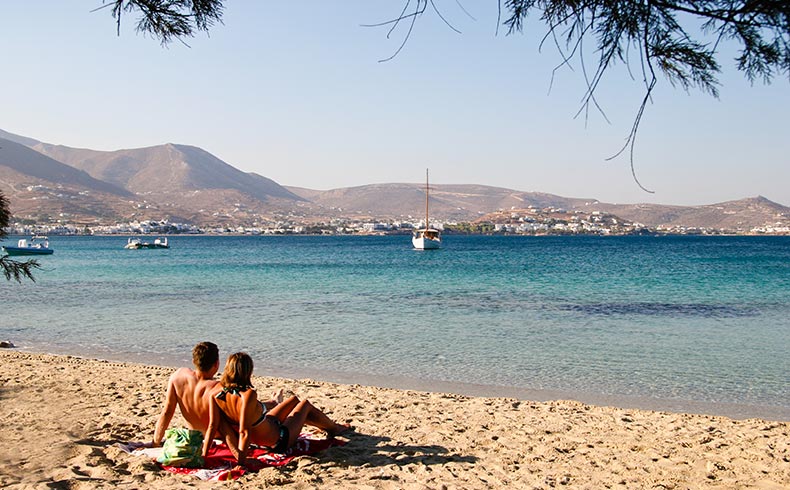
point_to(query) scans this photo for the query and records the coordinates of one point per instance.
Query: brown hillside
(739, 215)
(447, 202)
(166, 169)
(190, 184)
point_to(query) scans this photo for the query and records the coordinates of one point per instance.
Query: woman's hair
(237, 372)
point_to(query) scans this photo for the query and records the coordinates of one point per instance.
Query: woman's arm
(213, 423)
(248, 398)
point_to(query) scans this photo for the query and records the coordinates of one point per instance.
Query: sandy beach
(62, 415)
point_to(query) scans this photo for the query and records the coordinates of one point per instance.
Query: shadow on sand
(379, 451)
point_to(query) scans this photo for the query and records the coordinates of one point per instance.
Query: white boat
(38, 245)
(426, 238)
(137, 244)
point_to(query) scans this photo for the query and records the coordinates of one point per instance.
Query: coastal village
(523, 221)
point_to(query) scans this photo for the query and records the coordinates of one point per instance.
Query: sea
(679, 323)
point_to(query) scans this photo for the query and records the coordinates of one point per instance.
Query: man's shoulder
(183, 374)
(209, 382)
(208, 387)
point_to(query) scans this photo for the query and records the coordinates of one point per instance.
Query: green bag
(182, 447)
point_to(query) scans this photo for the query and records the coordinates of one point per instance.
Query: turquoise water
(664, 322)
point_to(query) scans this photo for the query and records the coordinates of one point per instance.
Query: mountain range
(182, 183)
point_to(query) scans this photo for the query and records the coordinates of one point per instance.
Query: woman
(277, 428)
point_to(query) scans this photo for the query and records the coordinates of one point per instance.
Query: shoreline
(62, 415)
(734, 410)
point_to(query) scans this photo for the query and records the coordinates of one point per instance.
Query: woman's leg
(284, 409)
(296, 420)
(306, 412)
(293, 414)
(266, 433)
(317, 418)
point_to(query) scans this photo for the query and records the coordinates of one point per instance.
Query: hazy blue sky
(294, 91)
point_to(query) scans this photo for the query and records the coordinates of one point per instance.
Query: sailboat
(426, 238)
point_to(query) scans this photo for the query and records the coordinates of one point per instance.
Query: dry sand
(60, 416)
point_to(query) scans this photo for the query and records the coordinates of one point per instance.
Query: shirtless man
(190, 390)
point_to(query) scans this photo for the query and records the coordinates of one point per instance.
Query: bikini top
(238, 390)
(233, 390)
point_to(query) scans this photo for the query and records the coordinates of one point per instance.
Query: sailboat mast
(426, 199)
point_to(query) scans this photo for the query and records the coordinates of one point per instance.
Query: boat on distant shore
(426, 238)
(38, 245)
(137, 243)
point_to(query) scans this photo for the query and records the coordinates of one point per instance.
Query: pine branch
(13, 269)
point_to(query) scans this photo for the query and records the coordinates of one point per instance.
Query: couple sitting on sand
(231, 407)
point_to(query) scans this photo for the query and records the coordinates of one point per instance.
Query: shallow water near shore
(676, 323)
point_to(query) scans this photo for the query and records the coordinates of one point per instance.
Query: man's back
(192, 394)
(189, 390)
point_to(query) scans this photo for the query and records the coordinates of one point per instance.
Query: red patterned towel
(220, 463)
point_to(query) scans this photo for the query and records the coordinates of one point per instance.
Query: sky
(295, 91)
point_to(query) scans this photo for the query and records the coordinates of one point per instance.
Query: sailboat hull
(422, 243)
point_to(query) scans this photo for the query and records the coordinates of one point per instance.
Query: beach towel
(219, 463)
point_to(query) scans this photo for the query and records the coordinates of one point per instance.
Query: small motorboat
(37, 245)
(136, 244)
